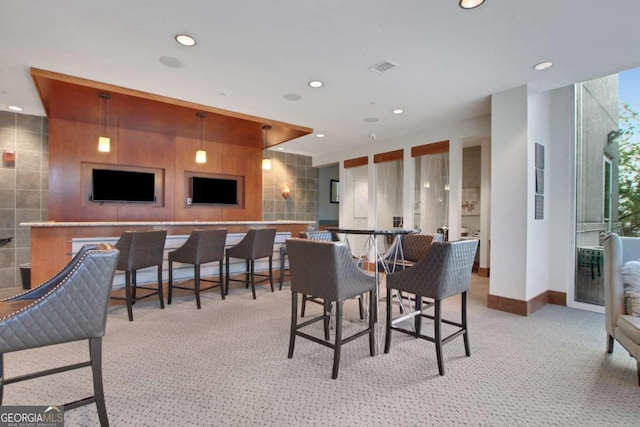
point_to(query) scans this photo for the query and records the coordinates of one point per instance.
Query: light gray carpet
(226, 365)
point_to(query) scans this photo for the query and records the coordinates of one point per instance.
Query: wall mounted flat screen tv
(214, 191)
(117, 186)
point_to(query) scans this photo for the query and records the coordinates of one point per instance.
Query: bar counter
(51, 242)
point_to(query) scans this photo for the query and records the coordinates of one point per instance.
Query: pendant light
(201, 155)
(104, 142)
(266, 162)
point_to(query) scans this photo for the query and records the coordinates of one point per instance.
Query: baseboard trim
(526, 308)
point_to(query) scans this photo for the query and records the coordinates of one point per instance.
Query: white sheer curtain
(431, 209)
(389, 200)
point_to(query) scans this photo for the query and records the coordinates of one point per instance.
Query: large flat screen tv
(214, 191)
(118, 186)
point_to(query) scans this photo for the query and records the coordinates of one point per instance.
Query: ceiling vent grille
(383, 66)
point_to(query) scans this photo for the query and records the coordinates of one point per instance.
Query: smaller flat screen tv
(117, 186)
(214, 191)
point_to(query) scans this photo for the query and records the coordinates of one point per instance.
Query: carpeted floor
(226, 365)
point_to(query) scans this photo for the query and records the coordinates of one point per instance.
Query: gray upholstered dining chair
(406, 250)
(71, 306)
(138, 250)
(444, 271)
(202, 246)
(256, 244)
(327, 270)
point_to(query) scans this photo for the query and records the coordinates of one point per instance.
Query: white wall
(538, 128)
(509, 185)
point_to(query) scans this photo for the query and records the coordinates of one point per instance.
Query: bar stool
(256, 244)
(140, 249)
(202, 246)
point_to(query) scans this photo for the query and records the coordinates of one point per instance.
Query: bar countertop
(155, 223)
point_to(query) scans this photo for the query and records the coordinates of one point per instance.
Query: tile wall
(23, 188)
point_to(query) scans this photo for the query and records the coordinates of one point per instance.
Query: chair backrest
(416, 246)
(257, 243)
(140, 249)
(617, 251)
(43, 288)
(201, 247)
(322, 235)
(326, 269)
(75, 309)
(444, 271)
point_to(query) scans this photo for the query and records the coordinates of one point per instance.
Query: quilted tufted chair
(256, 244)
(444, 271)
(327, 270)
(73, 308)
(138, 250)
(202, 246)
(620, 327)
(406, 250)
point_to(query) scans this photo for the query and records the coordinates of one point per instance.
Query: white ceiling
(250, 53)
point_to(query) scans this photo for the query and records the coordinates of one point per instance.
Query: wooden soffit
(389, 156)
(76, 99)
(429, 149)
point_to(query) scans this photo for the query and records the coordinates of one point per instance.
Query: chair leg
(637, 367)
(610, 342)
(281, 270)
(327, 318)
(196, 283)
(465, 335)
(160, 295)
(418, 319)
(387, 339)
(95, 352)
(271, 271)
(134, 282)
(253, 277)
(338, 344)
(170, 286)
(437, 324)
(226, 282)
(127, 291)
(220, 277)
(294, 322)
(372, 332)
(1, 376)
(248, 274)
(304, 305)
(361, 307)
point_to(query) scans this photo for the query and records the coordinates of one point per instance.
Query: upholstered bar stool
(327, 270)
(140, 249)
(202, 246)
(71, 306)
(444, 271)
(256, 244)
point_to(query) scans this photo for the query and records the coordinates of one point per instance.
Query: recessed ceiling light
(280, 148)
(398, 111)
(316, 83)
(543, 65)
(171, 62)
(185, 40)
(370, 119)
(292, 97)
(14, 108)
(470, 4)
(320, 135)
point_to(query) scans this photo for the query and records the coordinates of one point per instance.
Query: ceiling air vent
(383, 66)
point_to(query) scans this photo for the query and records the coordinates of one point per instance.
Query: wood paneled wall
(74, 142)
